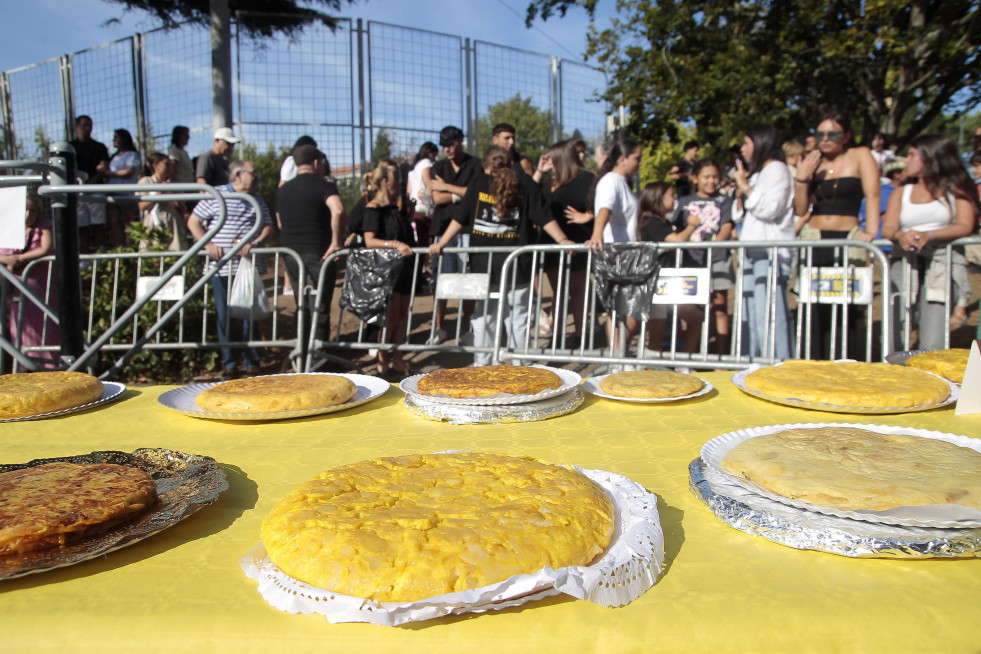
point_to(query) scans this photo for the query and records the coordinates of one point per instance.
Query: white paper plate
(110, 392)
(183, 400)
(629, 568)
(569, 379)
(714, 451)
(593, 386)
(899, 358)
(739, 379)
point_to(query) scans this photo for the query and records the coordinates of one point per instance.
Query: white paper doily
(629, 568)
(938, 516)
(569, 379)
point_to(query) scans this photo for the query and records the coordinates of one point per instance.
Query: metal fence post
(67, 95)
(64, 217)
(8, 132)
(361, 67)
(143, 134)
(556, 118)
(468, 99)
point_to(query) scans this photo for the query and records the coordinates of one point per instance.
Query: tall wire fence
(350, 88)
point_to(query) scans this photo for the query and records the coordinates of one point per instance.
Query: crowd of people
(770, 190)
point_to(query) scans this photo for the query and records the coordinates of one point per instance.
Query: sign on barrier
(462, 286)
(830, 286)
(171, 291)
(682, 286)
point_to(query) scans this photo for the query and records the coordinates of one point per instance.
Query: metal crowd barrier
(849, 291)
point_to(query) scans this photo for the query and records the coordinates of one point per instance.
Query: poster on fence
(830, 285)
(682, 286)
(13, 206)
(171, 291)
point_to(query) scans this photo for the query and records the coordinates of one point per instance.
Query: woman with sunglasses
(831, 182)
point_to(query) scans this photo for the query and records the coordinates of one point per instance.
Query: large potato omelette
(482, 381)
(950, 364)
(852, 468)
(411, 527)
(277, 393)
(33, 393)
(849, 384)
(56, 504)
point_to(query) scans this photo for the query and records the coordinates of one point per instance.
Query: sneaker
(288, 290)
(684, 370)
(438, 337)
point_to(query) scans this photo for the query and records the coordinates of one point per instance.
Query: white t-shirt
(613, 193)
(123, 160)
(288, 170)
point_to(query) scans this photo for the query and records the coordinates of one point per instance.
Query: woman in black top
(385, 226)
(503, 211)
(653, 205)
(568, 188)
(831, 182)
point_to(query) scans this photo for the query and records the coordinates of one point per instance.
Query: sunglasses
(834, 135)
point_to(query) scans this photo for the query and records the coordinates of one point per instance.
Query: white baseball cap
(226, 134)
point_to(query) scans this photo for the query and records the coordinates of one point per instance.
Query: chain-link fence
(361, 90)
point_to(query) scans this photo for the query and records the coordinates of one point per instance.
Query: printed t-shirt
(478, 211)
(713, 212)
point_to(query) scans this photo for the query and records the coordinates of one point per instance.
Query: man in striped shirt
(240, 220)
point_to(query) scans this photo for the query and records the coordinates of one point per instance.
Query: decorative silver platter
(186, 483)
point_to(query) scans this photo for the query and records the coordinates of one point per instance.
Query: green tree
(382, 148)
(661, 155)
(533, 125)
(42, 142)
(895, 65)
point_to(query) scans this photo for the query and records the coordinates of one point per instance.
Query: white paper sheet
(13, 205)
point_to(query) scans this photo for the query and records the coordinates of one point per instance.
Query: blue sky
(276, 96)
(41, 29)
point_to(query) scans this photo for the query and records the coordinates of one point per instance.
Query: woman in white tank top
(939, 207)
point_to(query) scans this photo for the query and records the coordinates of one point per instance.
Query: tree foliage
(533, 125)
(259, 18)
(382, 149)
(894, 65)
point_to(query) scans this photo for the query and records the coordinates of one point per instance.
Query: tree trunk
(221, 64)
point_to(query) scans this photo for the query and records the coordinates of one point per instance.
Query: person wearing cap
(311, 220)
(213, 164)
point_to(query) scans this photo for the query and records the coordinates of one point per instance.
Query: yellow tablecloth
(721, 590)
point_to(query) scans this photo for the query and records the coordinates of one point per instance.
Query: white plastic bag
(248, 300)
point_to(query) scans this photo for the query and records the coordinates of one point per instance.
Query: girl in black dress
(385, 226)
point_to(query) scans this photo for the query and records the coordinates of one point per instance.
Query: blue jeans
(239, 330)
(756, 337)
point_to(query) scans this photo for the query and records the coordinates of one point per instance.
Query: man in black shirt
(212, 165)
(680, 173)
(311, 220)
(449, 179)
(503, 135)
(92, 158)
